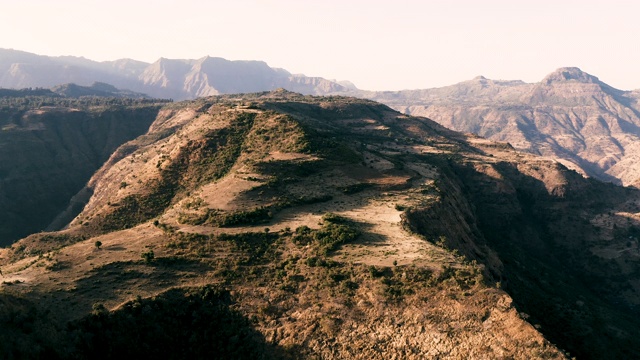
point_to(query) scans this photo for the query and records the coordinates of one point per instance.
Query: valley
(49, 148)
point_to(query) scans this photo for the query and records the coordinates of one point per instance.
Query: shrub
(148, 256)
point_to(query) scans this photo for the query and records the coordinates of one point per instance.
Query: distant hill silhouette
(166, 78)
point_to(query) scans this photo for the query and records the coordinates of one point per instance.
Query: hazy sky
(377, 44)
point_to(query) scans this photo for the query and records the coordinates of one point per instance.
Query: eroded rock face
(569, 115)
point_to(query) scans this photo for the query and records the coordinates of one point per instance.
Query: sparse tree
(98, 244)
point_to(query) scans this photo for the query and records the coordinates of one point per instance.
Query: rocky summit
(278, 225)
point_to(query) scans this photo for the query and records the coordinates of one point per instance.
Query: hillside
(166, 78)
(49, 148)
(328, 227)
(570, 115)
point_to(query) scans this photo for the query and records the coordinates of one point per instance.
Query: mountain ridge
(338, 226)
(570, 115)
(165, 78)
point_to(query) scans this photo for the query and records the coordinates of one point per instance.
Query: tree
(98, 243)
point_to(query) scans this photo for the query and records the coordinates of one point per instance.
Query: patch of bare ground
(383, 241)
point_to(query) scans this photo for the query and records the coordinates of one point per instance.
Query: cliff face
(339, 228)
(570, 115)
(557, 233)
(48, 152)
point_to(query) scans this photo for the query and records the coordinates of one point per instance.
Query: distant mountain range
(165, 78)
(570, 115)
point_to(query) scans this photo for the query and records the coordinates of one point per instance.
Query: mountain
(165, 78)
(20, 69)
(277, 225)
(570, 115)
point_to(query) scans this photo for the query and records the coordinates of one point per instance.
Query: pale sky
(376, 44)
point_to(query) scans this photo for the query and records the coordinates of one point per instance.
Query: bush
(148, 256)
(333, 233)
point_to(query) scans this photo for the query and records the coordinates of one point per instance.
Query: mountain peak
(568, 74)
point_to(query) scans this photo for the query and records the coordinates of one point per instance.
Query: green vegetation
(229, 218)
(335, 231)
(258, 247)
(275, 132)
(183, 323)
(148, 256)
(205, 326)
(28, 332)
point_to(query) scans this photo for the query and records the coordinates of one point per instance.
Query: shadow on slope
(178, 324)
(543, 234)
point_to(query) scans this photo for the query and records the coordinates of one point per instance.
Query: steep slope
(165, 78)
(50, 147)
(569, 115)
(336, 228)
